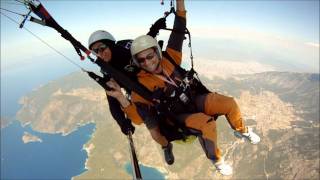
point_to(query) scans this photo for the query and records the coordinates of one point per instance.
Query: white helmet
(142, 43)
(98, 36)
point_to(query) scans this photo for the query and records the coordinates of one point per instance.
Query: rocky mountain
(63, 105)
(282, 107)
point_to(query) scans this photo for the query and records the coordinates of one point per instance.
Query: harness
(180, 100)
(190, 78)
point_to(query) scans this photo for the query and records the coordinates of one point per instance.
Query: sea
(146, 172)
(57, 156)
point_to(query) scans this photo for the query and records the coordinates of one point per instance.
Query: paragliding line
(57, 51)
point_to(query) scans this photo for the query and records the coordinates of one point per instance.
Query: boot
(168, 155)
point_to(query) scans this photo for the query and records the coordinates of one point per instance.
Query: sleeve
(116, 112)
(133, 112)
(176, 37)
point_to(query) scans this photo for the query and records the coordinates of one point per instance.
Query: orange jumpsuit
(207, 105)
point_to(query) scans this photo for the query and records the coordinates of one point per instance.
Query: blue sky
(284, 30)
(287, 18)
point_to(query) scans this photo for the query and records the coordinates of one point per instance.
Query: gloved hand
(159, 24)
(126, 127)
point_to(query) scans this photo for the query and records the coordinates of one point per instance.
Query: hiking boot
(168, 155)
(250, 136)
(223, 168)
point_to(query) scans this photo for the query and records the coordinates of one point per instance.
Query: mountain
(63, 105)
(282, 107)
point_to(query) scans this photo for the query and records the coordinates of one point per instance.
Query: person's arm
(176, 38)
(129, 108)
(180, 5)
(119, 116)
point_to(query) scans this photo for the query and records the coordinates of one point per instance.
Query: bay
(146, 172)
(56, 157)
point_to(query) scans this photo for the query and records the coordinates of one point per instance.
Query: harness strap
(126, 81)
(172, 61)
(167, 78)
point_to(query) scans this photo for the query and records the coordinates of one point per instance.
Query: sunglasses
(101, 48)
(142, 60)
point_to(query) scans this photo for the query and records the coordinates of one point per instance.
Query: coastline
(29, 138)
(88, 148)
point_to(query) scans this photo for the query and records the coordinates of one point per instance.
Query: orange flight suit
(207, 105)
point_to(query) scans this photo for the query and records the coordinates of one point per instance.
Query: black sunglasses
(101, 48)
(150, 56)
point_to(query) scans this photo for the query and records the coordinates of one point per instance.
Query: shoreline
(161, 169)
(88, 149)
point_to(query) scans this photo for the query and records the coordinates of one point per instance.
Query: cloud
(312, 44)
(222, 68)
(264, 47)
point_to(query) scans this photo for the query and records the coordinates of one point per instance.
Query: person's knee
(155, 133)
(231, 103)
(210, 126)
(232, 100)
(209, 129)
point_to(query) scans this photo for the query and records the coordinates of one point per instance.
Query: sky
(283, 34)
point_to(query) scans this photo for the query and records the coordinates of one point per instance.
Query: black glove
(159, 24)
(126, 127)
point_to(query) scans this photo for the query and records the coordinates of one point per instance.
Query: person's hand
(159, 24)
(126, 127)
(115, 89)
(116, 93)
